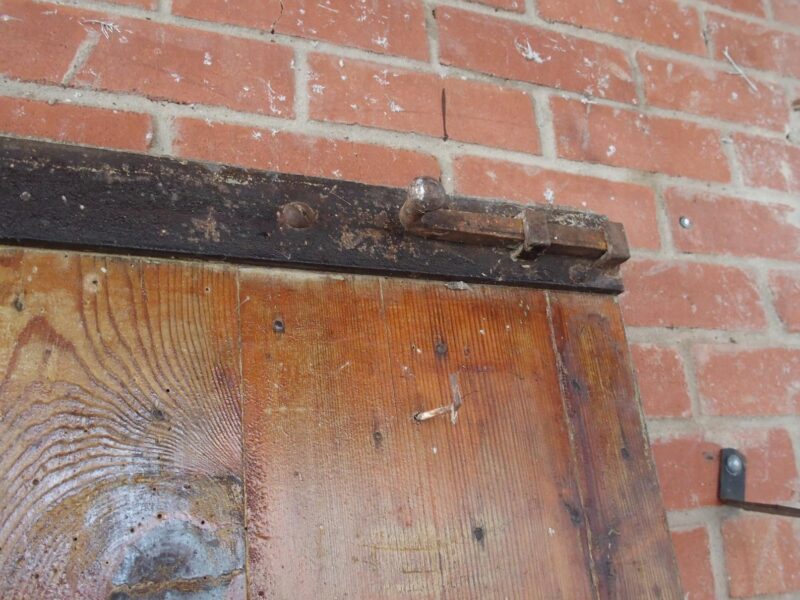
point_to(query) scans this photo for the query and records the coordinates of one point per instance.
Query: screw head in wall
(733, 464)
(685, 222)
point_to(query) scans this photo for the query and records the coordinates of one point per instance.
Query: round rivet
(685, 222)
(733, 464)
(297, 215)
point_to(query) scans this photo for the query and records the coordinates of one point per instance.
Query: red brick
(785, 288)
(350, 91)
(726, 225)
(763, 381)
(694, 563)
(688, 466)
(753, 7)
(512, 5)
(514, 51)
(75, 124)
(662, 381)
(38, 41)
(713, 93)
(383, 26)
(768, 163)
(631, 204)
(190, 66)
(490, 115)
(661, 22)
(626, 138)
(754, 45)
(146, 4)
(688, 294)
(762, 555)
(787, 11)
(293, 153)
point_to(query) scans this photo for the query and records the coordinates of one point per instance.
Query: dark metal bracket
(732, 472)
(59, 196)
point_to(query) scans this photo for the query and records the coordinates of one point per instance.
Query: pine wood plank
(120, 429)
(127, 387)
(348, 496)
(630, 545)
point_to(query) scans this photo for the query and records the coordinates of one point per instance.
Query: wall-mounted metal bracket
(732, 471)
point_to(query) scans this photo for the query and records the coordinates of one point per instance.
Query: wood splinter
(451, 408)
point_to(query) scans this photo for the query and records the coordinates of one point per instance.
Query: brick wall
(632, 108)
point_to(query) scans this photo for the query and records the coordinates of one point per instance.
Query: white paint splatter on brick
(382, 77)
(528, 53)
(272, 96)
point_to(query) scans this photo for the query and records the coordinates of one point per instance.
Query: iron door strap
(536, 230)
(60, 196)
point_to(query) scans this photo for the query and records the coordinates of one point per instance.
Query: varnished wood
(52, 195)
(120, 429)
(630, 545)
(175, 430)
(348, 496)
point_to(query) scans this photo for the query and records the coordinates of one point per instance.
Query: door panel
(189, 430)
(349, 496)
(120, 437)
(618, 482)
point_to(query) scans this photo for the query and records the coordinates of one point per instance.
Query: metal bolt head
(296, 215)
(685, 222)
(425, 194)
(734, 464)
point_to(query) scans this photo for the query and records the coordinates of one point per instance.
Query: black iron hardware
(732, 471)
(58, 196)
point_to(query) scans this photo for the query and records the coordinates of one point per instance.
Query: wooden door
(195, 430)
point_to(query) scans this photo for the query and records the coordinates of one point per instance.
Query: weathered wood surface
(630, 547)
(120, 429)
(348, 496)
(175, 430)
(53, 195)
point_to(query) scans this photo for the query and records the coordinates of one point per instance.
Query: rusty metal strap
(538, 230)
(59, 196)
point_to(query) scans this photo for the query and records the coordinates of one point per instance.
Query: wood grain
(120, 428)
(348, 496)
(630, 545)
(180, 430)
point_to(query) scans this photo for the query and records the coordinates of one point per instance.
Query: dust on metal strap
(534, 231)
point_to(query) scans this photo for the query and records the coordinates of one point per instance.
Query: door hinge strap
(536, 230)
